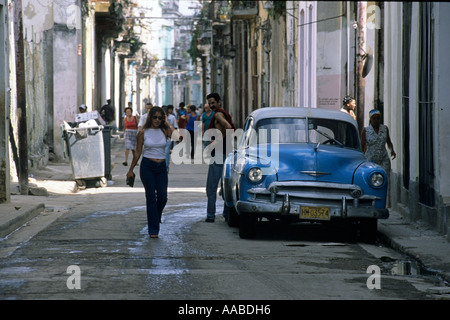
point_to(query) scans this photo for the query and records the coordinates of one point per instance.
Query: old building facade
(388, 55)
(76, 52)
(416, 108)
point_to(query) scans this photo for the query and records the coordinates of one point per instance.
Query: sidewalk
(418, 241)
(430, 249)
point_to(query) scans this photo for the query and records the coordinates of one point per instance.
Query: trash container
(86, 151)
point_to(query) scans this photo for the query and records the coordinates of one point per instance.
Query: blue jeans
(212, 182)
(155, 180)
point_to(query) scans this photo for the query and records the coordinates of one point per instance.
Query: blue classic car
(302, 164)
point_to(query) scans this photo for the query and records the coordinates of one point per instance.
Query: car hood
(306, 162)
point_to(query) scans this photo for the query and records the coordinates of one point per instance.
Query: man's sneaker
(209, 220)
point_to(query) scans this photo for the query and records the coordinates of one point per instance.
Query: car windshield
(293, 130)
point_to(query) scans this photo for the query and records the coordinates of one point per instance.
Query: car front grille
(314, 193)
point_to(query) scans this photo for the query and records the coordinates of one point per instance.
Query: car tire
(233, 217)
(247, 226)
(368, 230)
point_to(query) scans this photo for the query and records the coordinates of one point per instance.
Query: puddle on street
(407, 268)
(103, 214)
(326, 244)
(164, 266)
(414, 268)
(169, 250)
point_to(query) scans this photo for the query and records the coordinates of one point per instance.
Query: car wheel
(81, 184)
(368, 230)
(233, 217)
(347, 229)
(247, 226)
(103, 182)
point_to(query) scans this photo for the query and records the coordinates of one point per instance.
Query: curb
(22, 216)
(389, 241)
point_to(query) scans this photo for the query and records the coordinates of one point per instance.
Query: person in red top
(131, 128)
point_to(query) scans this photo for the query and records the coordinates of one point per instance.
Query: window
(293, 130)
(337, 133)
(307, 51)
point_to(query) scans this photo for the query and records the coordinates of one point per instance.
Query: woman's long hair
(153, 111)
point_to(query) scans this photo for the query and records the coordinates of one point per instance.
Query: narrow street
(103, 232)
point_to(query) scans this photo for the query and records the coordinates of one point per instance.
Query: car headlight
(255, 175)
(376, 179)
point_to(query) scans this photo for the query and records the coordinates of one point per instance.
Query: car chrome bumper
(289, 202)
(287, 208)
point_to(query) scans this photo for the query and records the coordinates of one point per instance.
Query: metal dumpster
(85, 147)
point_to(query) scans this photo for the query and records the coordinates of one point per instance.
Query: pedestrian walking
(173, 122)
(151, 144)
(171, 116)
(107, 113)
(191, 117)
(131, 128)
(207, 115)
(142, 120)
(181, 116)
(172, 111)
(374, 139)
(349, 105)
(221, 121)
(82, 108)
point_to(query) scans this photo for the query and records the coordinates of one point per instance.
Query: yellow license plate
(315, 213)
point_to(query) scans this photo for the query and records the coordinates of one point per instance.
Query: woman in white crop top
(151, 143)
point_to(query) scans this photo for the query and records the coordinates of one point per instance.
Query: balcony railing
(249, 10)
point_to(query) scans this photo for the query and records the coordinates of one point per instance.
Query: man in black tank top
(221, 121)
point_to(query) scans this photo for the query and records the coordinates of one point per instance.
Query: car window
(281, 130)
(332, 131)
(245, 139)
(293, 130)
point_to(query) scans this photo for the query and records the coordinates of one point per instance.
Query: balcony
(170, 7)
(123, 48)
(109, 18)
(245, 10)
(101, 6)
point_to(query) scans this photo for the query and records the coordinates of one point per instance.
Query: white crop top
(154, 144)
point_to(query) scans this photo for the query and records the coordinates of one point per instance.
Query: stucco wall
(5, 195)
(406, 200)
(331, 56)
(443, 99)
(35, 86)
(65, 74)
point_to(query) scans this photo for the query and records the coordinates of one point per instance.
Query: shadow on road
(268, 230)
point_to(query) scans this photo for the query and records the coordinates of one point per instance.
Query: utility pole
(21, 98)
(359, 50)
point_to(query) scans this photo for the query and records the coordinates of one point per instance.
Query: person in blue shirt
(191, 117)
(207, 115)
